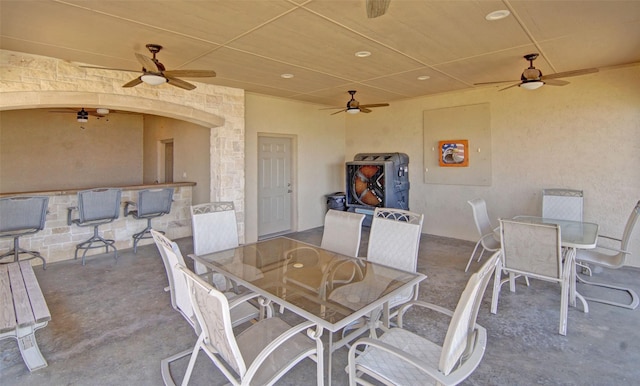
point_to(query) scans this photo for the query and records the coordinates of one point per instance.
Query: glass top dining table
(300, 276)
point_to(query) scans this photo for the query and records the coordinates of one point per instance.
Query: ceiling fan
(532, 78)
(83, 114)
(154, 72)
(354, 107)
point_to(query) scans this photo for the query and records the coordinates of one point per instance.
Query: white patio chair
(262, 353)
(489, 240)
(401, 357)
(214, 229)
(181, 302)
(562, 204)
(533, 250)
(341, 234)
(613, 258)
(394, 240)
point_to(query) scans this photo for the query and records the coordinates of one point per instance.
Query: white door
(274, 185)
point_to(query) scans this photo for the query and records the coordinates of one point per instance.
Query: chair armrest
(242, 298)
(392, 350)
(126, 207)
(279, 341)
(423, 304)
(69, 210)
(609, 238)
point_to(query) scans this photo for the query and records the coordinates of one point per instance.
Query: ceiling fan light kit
(353, 110)
(153, 80)
(532, 85)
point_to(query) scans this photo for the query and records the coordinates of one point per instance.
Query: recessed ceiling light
(286, 76)
(497, 15)
(424, 77)
(363, 54)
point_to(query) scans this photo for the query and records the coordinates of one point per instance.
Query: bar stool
(21, 216)
(96, 207)
(151, 203)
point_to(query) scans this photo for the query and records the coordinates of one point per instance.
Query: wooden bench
(23, 310)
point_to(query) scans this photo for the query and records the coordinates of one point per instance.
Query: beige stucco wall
(319, 139)
(191, 153)
(40, 150)
(585, 135)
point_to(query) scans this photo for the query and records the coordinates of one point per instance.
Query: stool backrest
(154, 201)
(99, 204)
(23, 213)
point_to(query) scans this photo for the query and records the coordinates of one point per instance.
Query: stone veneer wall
(30, 81)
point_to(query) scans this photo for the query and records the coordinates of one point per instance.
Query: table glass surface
(296, 275)
(574, 234)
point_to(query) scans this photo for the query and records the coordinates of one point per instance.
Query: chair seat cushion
(255, 338)
(396, 370)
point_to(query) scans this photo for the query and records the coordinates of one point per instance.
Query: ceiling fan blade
(337, 112)
(190, 73)
(133, 82)
(364, 110)
(107, 68)
(374, 105)
(180, 83)
(496, 82)
(331, 108)
(513, 85)
(567, 74)
(556, 82)
(147, 63)
(377, 8)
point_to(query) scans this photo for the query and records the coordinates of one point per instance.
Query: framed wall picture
(454, 153)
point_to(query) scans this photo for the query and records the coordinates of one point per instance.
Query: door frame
(294, 177)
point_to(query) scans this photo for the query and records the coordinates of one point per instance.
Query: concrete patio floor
(112, 323)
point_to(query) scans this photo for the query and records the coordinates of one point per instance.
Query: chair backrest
(212, 311)
(460, 336)
(628, 229)
(342, 232)
(23, 213)
(532, 249)
(394, 238)
(562, 204)
(483, 224)
(99, 204)
(214, 227)
(154, 201)
(179, 290)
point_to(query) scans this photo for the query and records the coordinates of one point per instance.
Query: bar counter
(57, 241)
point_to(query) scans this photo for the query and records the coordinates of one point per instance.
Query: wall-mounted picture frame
(454, 153)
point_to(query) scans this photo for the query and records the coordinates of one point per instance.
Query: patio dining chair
(562, 204)
(533, 250)
(612, 256)
(402, 357)
(394, 241)
(259, 355)
(341, 234)
(181, 302)
(489, 239)
(214, 229)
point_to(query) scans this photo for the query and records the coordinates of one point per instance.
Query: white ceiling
(251, 43)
